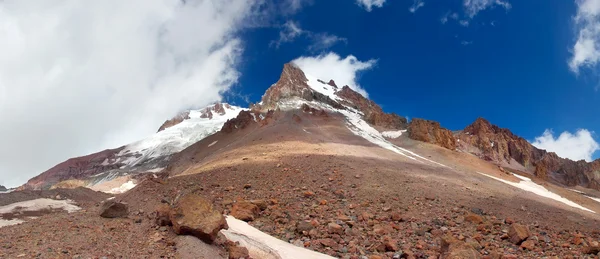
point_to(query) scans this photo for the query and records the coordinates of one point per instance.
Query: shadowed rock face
(2, 188)
(431, 132)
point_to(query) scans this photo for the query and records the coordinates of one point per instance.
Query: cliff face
(502, 147)
(431, 132)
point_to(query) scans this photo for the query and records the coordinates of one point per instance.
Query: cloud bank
(80, 76)
(344, 71)
(580, 145)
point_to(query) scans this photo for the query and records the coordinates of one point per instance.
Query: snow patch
(211, 144)
(123, 188)
(4, 223)
(262, 245)
(393, 134)
(176, 138)
(528, 185)
(40, 204)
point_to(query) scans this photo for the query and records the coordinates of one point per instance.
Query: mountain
(149, 155)
(319, 167)
(3, 189)
(500, 146)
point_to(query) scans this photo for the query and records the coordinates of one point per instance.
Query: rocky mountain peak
(2, 188)
(292, 82)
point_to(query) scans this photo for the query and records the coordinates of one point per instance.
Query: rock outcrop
(373, 114)
(74, 168)
(3, 189)
(196, 216)
(174, 121)
(504, 148)
(431, 132)
(243, 119)
(293, 83)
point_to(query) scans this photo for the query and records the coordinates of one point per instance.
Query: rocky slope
(500, 146)
(147, 155)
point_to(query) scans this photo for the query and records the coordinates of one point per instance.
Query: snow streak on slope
(393, 134)
(528, 185)
(360, 127)
(176, 138)
(261, 245)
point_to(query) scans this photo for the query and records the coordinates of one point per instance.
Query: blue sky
(509, 65)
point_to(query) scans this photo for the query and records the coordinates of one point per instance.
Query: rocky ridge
(500, 146)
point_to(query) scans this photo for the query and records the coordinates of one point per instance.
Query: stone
(455, 249)
(196, 216)
(237, 252)
(303, 226)
(333, 228)
(518, 233)
(114, 209)
(474, 218)
(162, 215)
(245, 211)
(528, 245)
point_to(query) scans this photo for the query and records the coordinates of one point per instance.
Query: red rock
(175, 120)
(529, 245)
(473, 218)
(518, 233)
(333, 228)
(245, 211)
(431, 132)
(194, 215)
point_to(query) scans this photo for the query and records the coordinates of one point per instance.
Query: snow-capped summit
(150, 154)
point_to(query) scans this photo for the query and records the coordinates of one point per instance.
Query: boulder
(455, 249)
(245, 211)
(518, 233)
(114, 209)
(196, 216)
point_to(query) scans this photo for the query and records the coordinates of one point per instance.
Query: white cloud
(288, 33)
(332, 66)
(416, 5)
(580, 145)
(80, 76)
(472, 7)
(291, 30)
(449, 15)
(586, 51)
(323, 41)
(466, 43)
(369, 4)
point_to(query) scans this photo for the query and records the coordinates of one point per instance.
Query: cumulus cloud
(80, 76)
(473, 7)
(586, 51)
(369, 4)
(344, 71)
(580, 145)
(291, 30)
(416, 5)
